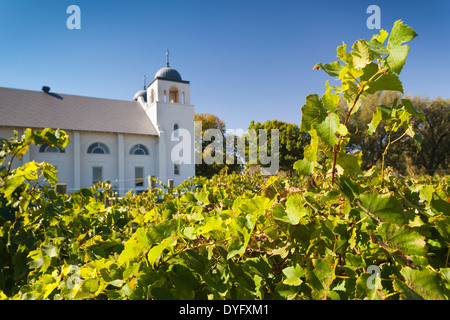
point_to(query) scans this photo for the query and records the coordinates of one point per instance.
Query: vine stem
(385, 152)
(381, 71)
(336, 148)
(382, 159)
(446, 261)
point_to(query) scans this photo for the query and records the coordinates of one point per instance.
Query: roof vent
(46, 89)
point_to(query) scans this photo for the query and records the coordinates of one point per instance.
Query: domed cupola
(168, 73)
(140, 93)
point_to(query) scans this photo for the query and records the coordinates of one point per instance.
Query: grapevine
(315, 236)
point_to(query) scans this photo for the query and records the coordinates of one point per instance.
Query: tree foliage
(210, 121)
(291, 141)
(435, 132)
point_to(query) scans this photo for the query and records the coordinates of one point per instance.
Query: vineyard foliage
(322, 235)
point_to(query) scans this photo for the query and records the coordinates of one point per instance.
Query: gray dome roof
(140, 93)
(168, 73)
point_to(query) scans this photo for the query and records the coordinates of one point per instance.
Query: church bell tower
(167, 102)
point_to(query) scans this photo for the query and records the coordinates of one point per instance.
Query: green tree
(210, 121)
(435, 133)
(291, 142)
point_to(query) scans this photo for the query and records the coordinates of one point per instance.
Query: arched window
(139, 149)
(46, 148)
(183, 98)
(98, 148)
(173, 95)
(165, 96)
(152, 96)
(175, 130)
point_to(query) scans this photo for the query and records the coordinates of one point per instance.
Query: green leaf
(385, 207)
(184, 281)
(11, 184)
(293, 275)
(313, 111)
(188, 197)
(442, 224)
(135, 246)
(190, 233)
(156, 251)
(355, 260)
(439, 204)
(210, 224)
(321, 277)
(410, 108)
(287, 292)
(331, 69)
(349, 188)
(351, 163)
(363, 291)
(380, 37)
(295, 210)
(403, 238)
(406, 292)
(385, 81)
(91, 285)
(400, 34)
(360, 54)
(310, 151)
(304, 167)
(419, 284)
(376, 48)
(381, 113)
(257, 204)
(327, 129)
(329, 100)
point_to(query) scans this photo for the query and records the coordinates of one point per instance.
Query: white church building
(120, 141)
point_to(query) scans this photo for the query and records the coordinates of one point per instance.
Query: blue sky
(246, 59)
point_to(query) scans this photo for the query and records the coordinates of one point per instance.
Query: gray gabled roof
(37, 109)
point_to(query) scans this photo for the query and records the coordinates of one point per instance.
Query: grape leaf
(312, 112)
(400, 34)
(327, 129)
(293, 275)
(156, 251)
(304, 167)
(138, 243)
(385, 81)
(403, 238)
(419, 284)
(331, 69)
(385, 207)
(360, 54)
(321, 277)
